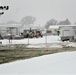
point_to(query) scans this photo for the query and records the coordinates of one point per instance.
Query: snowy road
(59, 63)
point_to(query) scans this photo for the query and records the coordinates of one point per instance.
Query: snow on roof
(31, 26)
(11, 25)
(57, 26)
(66, 25)
(53, 27)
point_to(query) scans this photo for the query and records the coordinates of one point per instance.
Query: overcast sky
(43, 10)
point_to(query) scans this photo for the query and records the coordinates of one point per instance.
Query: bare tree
(28, 20)
(50, 22)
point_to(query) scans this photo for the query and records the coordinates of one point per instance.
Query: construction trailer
(68, 32)
(10, 30)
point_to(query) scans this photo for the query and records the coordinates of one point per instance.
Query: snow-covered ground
(52, 41)
(59, 63)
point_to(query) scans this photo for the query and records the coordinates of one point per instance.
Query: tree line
(27, 20)
(55, 22)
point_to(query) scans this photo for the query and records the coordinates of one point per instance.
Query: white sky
(43, 10)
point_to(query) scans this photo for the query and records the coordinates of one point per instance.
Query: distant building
(17, 29)
(30, 27)
(10, 29)
(31, 31)
(52, 30)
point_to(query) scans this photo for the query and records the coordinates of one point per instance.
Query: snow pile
(55, 46)
(37, 46)
(59, 63)
(71, 44)
(51, 45)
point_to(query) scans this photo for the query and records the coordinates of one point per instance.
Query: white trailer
(68, 32)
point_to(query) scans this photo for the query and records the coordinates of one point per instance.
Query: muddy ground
(10, 53)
